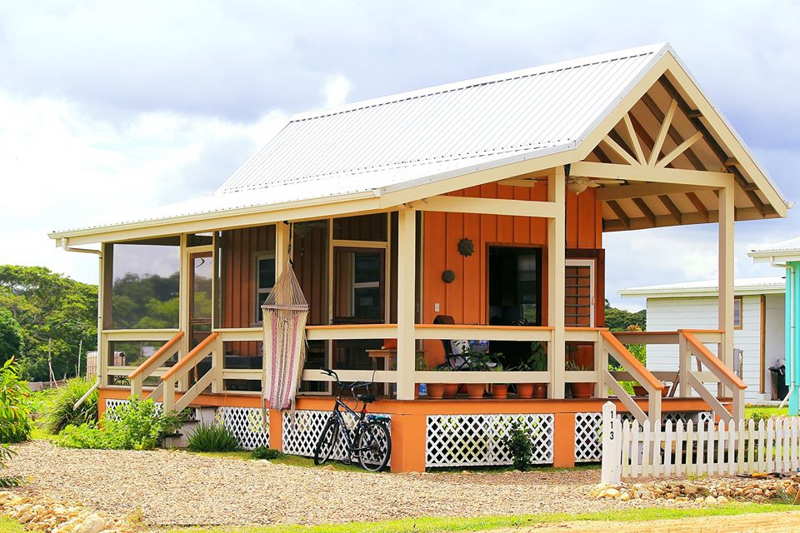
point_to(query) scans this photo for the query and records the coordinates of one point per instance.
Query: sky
(108, 107)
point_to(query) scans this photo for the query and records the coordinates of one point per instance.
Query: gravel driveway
(179, 488)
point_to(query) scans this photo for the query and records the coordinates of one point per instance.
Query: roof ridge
(469, 83)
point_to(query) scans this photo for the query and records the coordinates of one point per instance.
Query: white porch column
(556, 259)
(281, 247)
(726, 274)
(406, 282)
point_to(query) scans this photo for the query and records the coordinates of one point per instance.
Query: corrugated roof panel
(517, 112)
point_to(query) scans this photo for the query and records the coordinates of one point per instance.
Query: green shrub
(518, 442)
(60, 411)
(212, 438)
(5, 454)
(15, 419)
(262, 452)
(136, 425)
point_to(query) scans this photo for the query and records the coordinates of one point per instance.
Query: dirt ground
(179, 488)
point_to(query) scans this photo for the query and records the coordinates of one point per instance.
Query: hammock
(285, 315)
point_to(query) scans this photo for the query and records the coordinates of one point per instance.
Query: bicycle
(368, 440)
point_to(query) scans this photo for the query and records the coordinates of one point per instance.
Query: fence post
(612, 437)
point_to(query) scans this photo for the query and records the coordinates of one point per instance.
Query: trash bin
(779, 387)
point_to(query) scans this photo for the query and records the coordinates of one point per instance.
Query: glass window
(514, 285)
(358, 295)
(737, 312)
(265, 280)
(145, 280)
(134, 353)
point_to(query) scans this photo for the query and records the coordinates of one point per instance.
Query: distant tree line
(46, 319)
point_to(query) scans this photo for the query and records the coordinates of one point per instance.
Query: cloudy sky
(106, 106)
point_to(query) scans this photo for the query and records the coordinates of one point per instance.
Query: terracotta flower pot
(540, 390)
(475, 390)
(525, 390)
(436, 391)
(500, 391)
(582, 390)
(451, 389)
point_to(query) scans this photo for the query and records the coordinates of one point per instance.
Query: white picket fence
(704, 448)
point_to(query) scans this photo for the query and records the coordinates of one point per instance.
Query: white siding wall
(670, 314)
(775, 342)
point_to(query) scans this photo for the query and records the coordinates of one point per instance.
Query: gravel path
(178, 488)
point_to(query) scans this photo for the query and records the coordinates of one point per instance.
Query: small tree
(519, 444)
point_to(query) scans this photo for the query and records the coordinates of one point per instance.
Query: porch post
(726, 279)
(556, 259)
(406, 274)
(184, 305)
(281, 247)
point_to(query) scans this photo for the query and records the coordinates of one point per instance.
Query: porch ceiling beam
(621, 214)
(698, 204)
(705, 178)
(646, 211)
(519, 182)
(742, 213)
(488, 206)
(667, 202)
(637, 190)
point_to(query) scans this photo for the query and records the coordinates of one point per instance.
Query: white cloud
(62, 168)
(336, 90)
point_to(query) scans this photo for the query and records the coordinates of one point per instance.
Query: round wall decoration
(466, 247)
(448, 276)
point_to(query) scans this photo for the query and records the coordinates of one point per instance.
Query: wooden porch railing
(170, 379)
(639, 372)
(691, 345)
(144, 370)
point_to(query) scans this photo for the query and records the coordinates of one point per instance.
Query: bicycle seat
(366, 398)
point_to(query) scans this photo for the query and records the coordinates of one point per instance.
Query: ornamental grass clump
(212, 438)
(61, 411)
(15, 416)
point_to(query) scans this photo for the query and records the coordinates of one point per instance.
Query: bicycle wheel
(374, 445)
(327, 441)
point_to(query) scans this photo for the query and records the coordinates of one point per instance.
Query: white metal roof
(777, 252)
(742, 286)
(402, 140)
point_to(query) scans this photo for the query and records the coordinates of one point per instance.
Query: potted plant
(436, 390)
(478, 362)
(580, 390)
(499, 390)
(535, 362)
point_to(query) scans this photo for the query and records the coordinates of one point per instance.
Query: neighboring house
(758, 322)
(470, 211)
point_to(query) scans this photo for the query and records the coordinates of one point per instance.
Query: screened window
(265, 280)
(145, 280)
(359, 277)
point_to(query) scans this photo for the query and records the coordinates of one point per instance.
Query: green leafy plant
(212, 438)
(262, 452)
(136, 425)
(61, 411)
(519, 443)
(15, 420)
(5, 454)
(536, 360)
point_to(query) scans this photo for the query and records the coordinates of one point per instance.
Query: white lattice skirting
(112, 403)
(476, 440)
(302, 429)
(589, 426)
(247, 425)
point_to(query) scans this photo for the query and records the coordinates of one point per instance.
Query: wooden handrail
(712, 361)
(189, 356)
(157, 355)
(326, 327)
(632, 361)
(479, 326)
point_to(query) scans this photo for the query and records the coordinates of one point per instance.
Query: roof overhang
(217, 214)
(706, 291)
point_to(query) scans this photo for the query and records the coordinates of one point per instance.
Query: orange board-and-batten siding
(466, 298)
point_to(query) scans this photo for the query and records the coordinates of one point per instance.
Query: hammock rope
(285, 316)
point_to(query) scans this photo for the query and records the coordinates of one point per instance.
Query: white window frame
(592, 287)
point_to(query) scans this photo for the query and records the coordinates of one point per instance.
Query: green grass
(9, 525)
(482, 523)
(765, 411)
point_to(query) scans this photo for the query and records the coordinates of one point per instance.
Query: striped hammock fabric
(285, 315)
